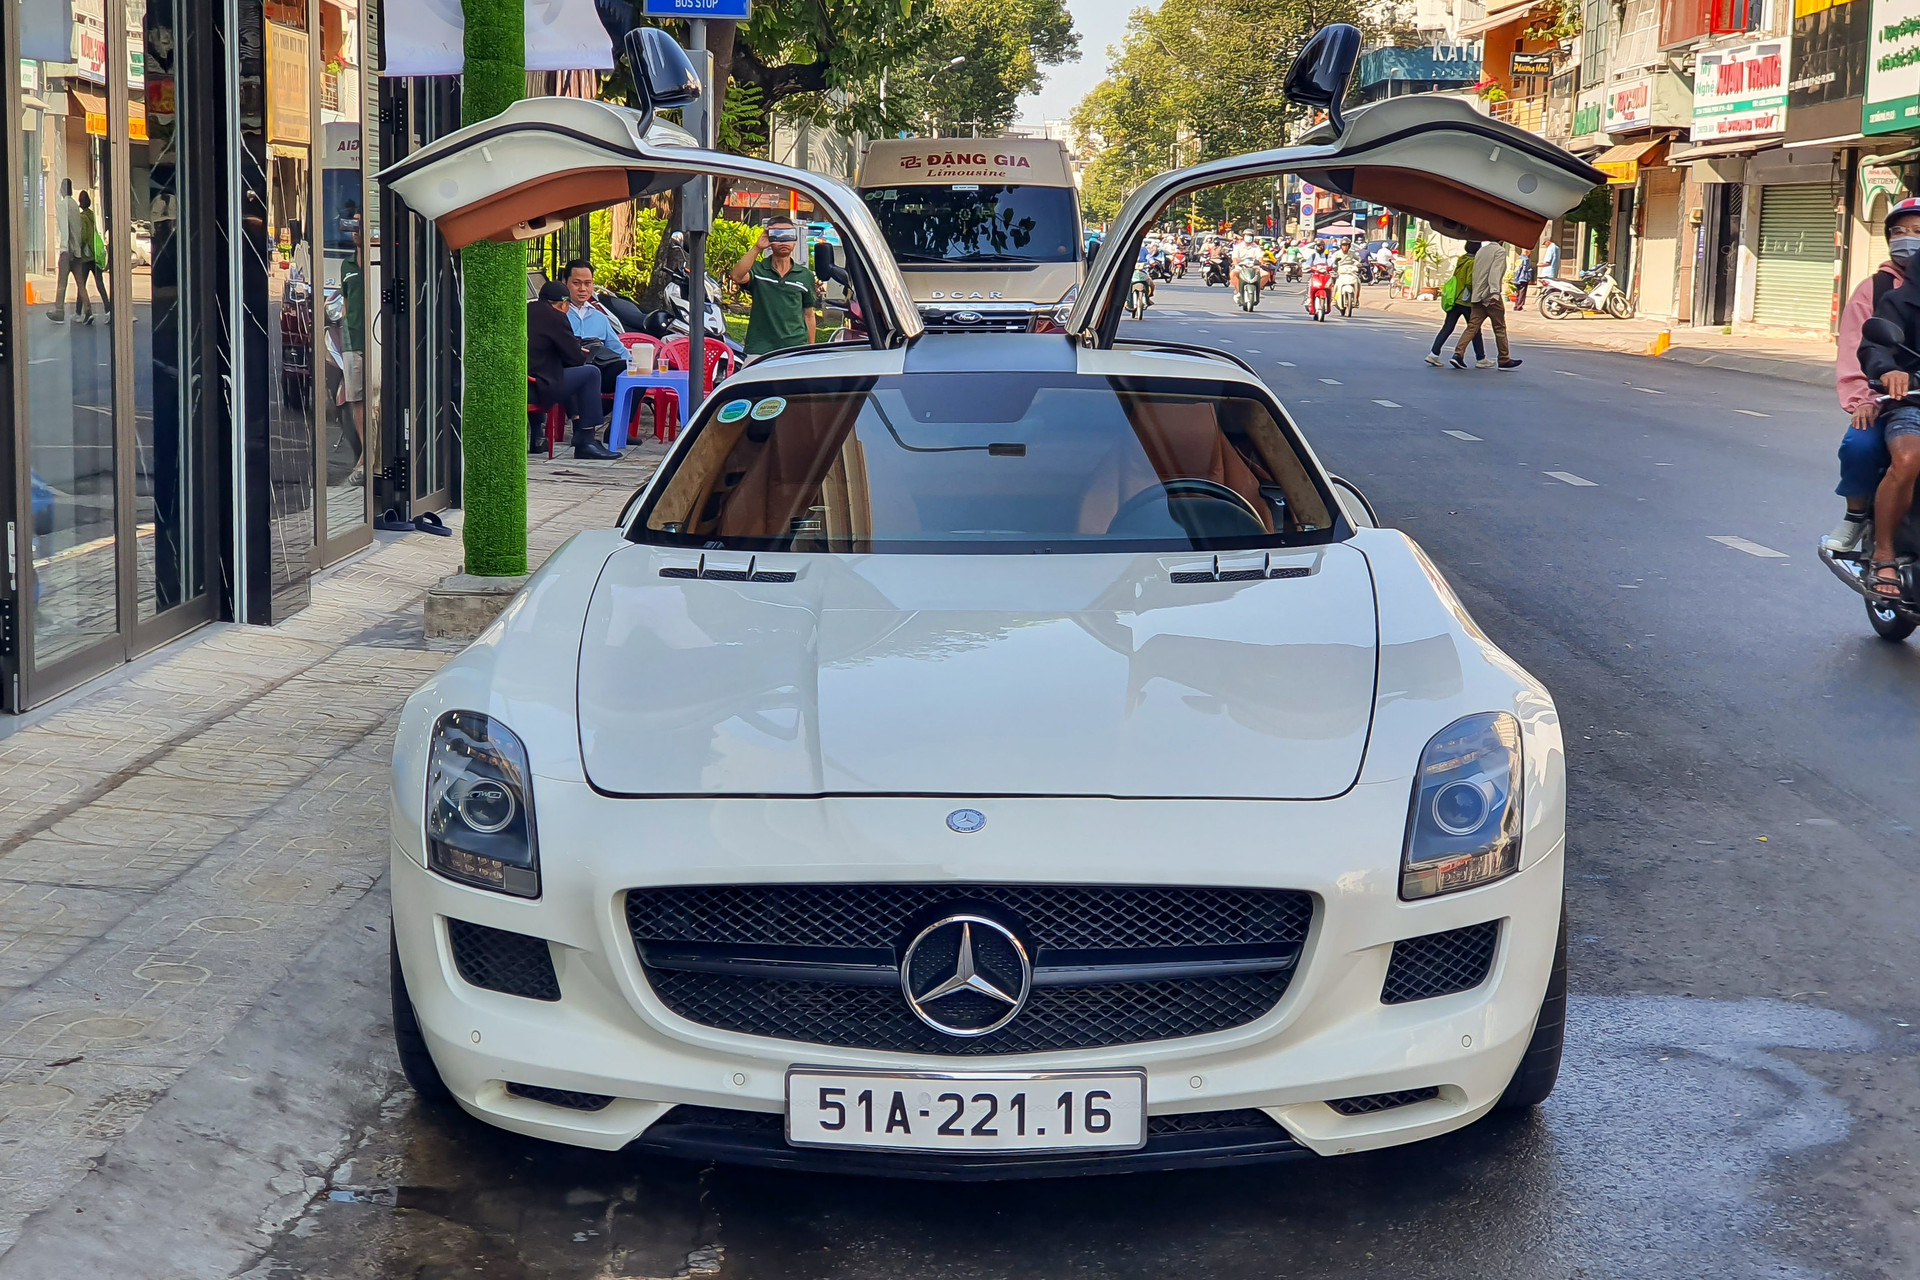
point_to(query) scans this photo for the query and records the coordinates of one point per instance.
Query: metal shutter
(1794, 282)
(1659, 254)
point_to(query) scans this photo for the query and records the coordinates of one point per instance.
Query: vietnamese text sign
(1892, 102)
(1588, 112)
(288, 118)
(738, 10)
(1740, 91)
(1629, 104)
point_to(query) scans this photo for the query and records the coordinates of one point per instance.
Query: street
(1738, 1091)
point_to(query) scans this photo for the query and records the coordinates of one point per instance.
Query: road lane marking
(1333, 382)
(1286, 364)
(1650, 391)
(1751, 548)
(1568, 373)
(1567, 477)
(1752, 414)
(1462, 435)
(1386, 404)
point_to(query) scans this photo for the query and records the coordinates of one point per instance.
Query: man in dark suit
(561, 372)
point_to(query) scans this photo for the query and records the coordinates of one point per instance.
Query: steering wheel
(1239, 519)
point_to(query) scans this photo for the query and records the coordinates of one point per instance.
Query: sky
(1100, 23)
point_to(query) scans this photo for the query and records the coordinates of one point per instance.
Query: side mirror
(822, 259)
(1882, 332)
(1318, 77)
(663, 75)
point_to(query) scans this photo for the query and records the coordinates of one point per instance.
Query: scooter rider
(1899, 422)
(1863, 448)
(1346, 272)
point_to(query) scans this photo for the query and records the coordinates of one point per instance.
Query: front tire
(416, 1063)
(1617, 305)
(1539, 1068)
(1889, 624)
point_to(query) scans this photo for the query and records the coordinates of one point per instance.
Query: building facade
(192, 417)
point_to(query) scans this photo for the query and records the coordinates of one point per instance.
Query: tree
(1006, 43)
(493, 419)
(1196, 80)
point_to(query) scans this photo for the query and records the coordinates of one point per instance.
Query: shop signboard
(289, 116)
(1829, 52)
(1629, 104)
(1892, 103)
(1588, 111)
(1740, 90)
(1532, 64)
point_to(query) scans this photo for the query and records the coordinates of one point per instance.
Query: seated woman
(561, 371)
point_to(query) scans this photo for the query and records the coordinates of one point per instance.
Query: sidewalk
(1773, 354)
(175, 838)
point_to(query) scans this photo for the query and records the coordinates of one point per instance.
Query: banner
(1893, 68)
(428, 38)
(1740, 91)
(1629, 104)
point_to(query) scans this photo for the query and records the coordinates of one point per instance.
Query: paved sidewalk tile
(173, 840)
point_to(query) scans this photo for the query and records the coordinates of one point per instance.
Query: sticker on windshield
(734, 410)
(770, 408)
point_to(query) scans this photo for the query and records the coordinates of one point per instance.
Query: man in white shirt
(74, 251)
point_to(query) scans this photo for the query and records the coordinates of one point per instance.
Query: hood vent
(1237, 567)
(727, 569)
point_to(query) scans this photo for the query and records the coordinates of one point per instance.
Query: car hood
(1093, 675)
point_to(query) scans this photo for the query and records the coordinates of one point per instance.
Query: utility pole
(698, 217)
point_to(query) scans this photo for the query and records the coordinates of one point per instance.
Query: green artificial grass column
(493, 412)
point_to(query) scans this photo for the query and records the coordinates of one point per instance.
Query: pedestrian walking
(1522, 277)
(71, 251)
(93, 258)
(1456, 297)
(1550, 261)
(1489, 265)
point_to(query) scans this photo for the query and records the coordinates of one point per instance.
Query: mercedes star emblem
(966, 821)
(966, 975)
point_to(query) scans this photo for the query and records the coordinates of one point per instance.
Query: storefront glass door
(113, 557)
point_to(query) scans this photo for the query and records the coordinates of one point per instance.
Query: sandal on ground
(1882, 579)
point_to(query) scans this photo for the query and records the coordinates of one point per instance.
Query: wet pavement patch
(1653, 1158)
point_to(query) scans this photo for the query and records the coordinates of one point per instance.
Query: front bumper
(1330, 1037)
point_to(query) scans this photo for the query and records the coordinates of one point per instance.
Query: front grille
(1440, 964)
(501, 961)
(561, 1097)
(1211, 1122)
(1083, 925)
(1367, 1104)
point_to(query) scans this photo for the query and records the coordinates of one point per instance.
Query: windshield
(977, 222)
(1020, 463)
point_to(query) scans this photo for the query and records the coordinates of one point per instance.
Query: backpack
(1449, 293)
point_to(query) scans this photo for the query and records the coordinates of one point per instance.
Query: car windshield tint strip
(977, 223)
(1013, 463)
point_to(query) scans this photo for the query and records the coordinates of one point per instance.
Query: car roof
(991, 354)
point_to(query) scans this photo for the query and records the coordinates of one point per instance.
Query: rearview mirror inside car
(663, 75)
(1318, 77)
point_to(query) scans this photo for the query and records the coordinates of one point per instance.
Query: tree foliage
(1006, 44)
(1195, 80)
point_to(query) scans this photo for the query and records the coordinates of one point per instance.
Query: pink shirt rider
(1848, 380)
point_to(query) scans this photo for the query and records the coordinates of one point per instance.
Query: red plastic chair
(556, 420)
(715, 353)
(660, 396)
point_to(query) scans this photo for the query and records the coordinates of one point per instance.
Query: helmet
(1909, 206)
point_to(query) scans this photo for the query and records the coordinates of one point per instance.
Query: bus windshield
(977, 222)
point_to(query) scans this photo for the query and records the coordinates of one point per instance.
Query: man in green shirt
(784, 292)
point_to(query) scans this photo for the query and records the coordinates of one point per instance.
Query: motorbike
(1594, 291)
(1159, 268)
(1293, 271)
(1180, 263)
(1346, 293)
(1320, 291)
(1890, 619)
(676, 318)
(1216, 272)
(1137, 296)
(1247, 275)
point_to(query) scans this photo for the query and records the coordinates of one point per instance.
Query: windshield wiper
(988, 257)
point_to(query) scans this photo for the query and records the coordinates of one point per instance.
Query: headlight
(1065, 306)
(1465, 826)
(480, 806)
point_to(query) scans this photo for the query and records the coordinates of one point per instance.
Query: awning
(1622, 163)
(1718, 149)
(1499, 14)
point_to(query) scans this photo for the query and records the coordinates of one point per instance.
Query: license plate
(1003, 1111)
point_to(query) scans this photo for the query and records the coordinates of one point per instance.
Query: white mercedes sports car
(983, 756)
